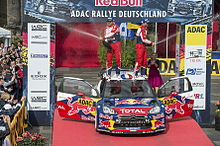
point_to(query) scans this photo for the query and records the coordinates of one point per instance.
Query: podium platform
(181, 132)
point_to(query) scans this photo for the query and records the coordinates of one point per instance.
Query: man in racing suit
(141, 43)
(112, 37)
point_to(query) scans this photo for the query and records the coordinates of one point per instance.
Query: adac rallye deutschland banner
(38, 66)
(195, 62)
(122, 10)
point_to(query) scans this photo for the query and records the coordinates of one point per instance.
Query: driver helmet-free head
(144, 20)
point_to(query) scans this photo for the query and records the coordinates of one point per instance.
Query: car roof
(124, 75)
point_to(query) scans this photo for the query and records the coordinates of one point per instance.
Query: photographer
(5, 126)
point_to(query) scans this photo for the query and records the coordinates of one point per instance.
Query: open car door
(177, 96)
(77, 99)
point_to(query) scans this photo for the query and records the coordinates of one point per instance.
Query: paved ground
(90, 74)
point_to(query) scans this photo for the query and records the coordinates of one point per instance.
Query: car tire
(96, 120)
(41, 8)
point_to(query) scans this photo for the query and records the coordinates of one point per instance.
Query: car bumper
(140, 131)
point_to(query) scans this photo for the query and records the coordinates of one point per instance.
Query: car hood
(130, 102)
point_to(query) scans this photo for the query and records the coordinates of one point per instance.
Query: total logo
(194, 71)
(130, 3)
(132, 111)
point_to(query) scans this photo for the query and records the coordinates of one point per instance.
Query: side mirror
(81, 94)
(94, 92)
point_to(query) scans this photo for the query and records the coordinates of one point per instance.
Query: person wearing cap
(141, 51)
(112, 37)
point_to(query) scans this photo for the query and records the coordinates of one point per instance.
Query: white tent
(6, 34)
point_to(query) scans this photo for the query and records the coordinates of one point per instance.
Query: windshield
(128, 89)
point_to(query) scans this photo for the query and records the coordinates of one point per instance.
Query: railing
(18, 124)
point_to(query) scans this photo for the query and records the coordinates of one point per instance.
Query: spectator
(4, 99)
(1, 86)
(19, 46)
(3, 62)
(2, 46)
(5, 126)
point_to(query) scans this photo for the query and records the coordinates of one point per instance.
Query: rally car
(187, 7)
(56, 7)
(126, 105)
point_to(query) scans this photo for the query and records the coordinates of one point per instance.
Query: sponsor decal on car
(169, 101)
(85, 102)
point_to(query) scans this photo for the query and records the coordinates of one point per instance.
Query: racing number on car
(85, 102)
(169, 101)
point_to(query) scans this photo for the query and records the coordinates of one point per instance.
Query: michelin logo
(194, 71)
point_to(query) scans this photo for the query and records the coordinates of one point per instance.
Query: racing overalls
(112, 36)
(142, 41)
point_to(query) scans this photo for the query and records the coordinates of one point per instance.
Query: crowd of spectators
(11, 74)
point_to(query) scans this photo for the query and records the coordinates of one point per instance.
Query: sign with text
(121, 10)
(38, 66)
(195, 62)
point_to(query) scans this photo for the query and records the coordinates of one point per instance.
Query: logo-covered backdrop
(122, 10)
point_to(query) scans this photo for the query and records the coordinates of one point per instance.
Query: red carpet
(184, 132)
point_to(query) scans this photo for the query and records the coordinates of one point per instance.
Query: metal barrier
(18, 124)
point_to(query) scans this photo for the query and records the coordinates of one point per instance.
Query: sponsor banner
(167, 66)
(38, 66)
(195, 62)
(122, 10)
(215, 67)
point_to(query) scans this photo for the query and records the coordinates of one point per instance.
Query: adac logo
(196, 29)
(130, 3)
(194, 71)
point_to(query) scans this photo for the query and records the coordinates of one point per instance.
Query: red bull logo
(76, 107)
(159, 124)
(130, 3)
(130, 101)
(105, 124)
(177, 106)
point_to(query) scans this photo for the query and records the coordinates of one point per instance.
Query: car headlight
(108, 110)
(154, 110)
